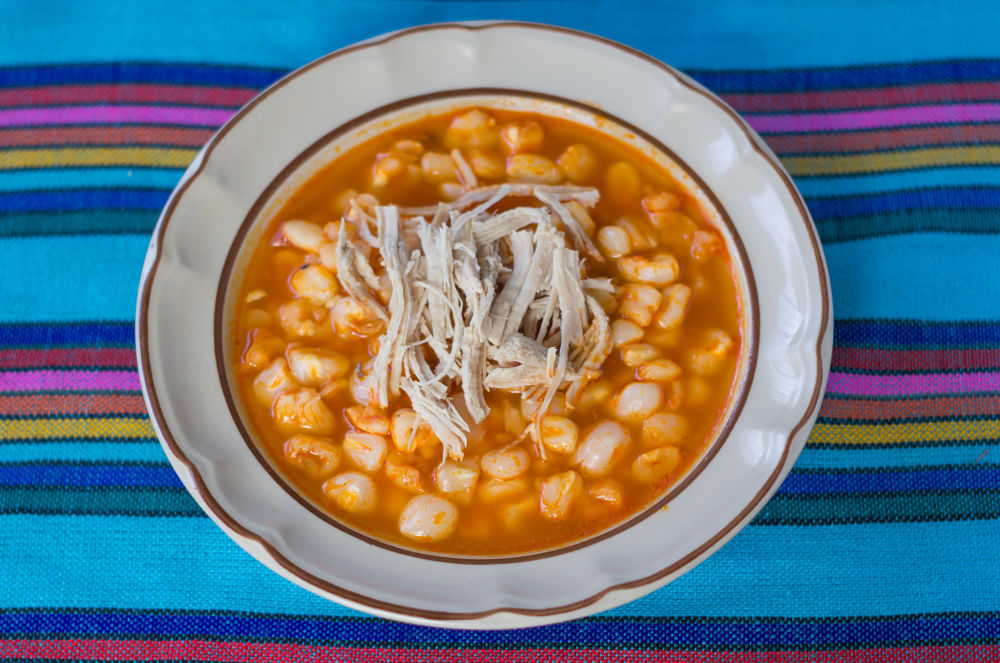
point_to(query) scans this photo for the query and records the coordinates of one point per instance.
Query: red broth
(663, 388)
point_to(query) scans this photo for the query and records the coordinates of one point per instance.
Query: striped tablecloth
(882, 544)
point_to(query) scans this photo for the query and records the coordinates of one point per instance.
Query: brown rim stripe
(721, 433)
(142, 332)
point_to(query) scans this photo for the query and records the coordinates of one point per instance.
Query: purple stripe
(185, 115)
(870, 119)
(912, 385)
(69, 381)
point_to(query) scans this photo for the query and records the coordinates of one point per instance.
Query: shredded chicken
(479, 300)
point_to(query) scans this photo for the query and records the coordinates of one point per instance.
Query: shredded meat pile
(478, 300)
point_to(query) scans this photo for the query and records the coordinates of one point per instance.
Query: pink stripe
(912, 384)
(69, 381)
(187, 115)
(208, 650)
(879, 117)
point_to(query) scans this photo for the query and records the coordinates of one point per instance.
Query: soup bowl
(230, 193)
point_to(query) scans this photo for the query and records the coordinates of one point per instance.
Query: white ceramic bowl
(227, 194)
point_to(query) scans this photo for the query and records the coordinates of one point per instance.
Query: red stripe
(55, 405)
(67, 358)
(105, 135)
(195, 95)
(755, 102)
(904, 95)
(908, 361)
(886, 139)
(204, 650)
(909, 408)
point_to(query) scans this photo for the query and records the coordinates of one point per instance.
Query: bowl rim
(231, 525)
(258, 214)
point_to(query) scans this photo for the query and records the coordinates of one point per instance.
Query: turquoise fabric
(899, 564)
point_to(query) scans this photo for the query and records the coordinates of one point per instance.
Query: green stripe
(879, 508)
(983, 222)
(108, 501)
(84, 222)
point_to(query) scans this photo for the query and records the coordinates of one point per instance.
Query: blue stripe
(968, 478)
(799, 482)
(586, 633)
(139, 72)
(121, 334)
(850, 457)
(915, 333)
(846, 332)
(764, 34)
(37, 285)
(723, 82)
(847, 185)
(83, 199)
(137, 451)
(952, 198)
(97, 290)
(801, 80)
(882, 559)
(69, 199)
(86, 178)
(89, 476)
(917, 276)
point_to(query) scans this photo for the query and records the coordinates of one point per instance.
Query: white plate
(302, 121)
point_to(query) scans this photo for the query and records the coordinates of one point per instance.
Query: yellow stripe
(47, 428)
(925, 431)
(847, 164)
(160, 157)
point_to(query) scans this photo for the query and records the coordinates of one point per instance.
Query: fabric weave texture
(881, 545)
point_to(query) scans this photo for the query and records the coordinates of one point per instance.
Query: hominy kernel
(474, 128)
(659, 370)
(637, 354)
(662, 201)
(273, 380)
(559, 434)
(438, 167)
(664, 428)
(655, 464)
(623, 184)
(639, 302)
(560, 494)
(317, 456)
(637, 400)
(533, 168)
(578, 163)
(624, 332)
(353, 492)
(602, 448)
(523, 136)
(613, 241)
(676, 301)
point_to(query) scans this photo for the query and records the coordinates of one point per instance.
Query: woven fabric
(881, 545)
